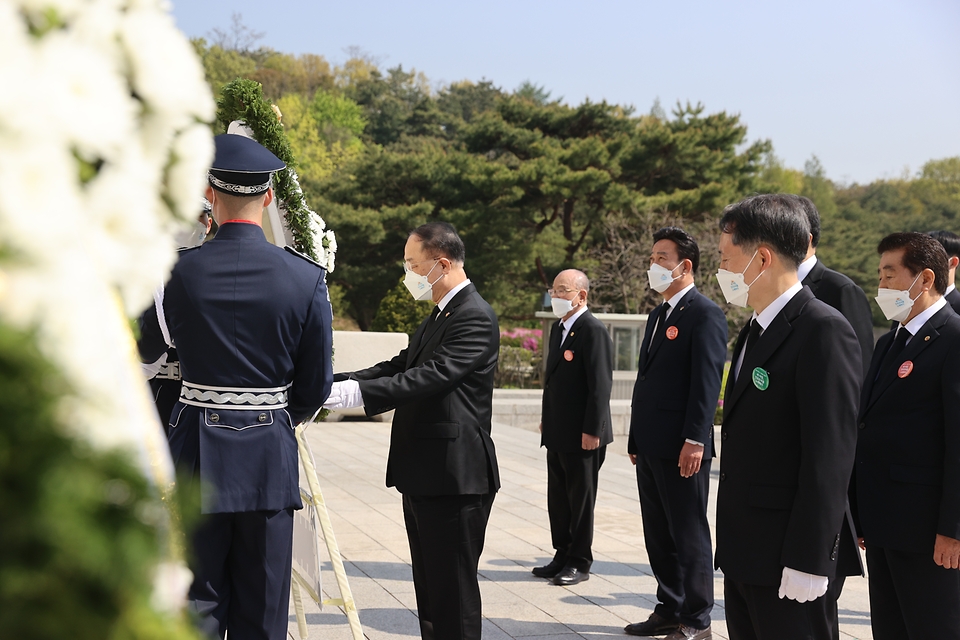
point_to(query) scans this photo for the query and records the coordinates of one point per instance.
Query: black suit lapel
(813, 278)
(416, 342)
(672, 321)
(927, 335)
(769, 342)
(568, 342)
(644, 359)
(554, 356)
(728, 390)
(883, 344)
(430, 328)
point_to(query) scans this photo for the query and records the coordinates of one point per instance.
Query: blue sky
(870, 87)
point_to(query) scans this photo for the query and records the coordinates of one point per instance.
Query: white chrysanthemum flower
(89, 103)
(164, 67)
(186, 180)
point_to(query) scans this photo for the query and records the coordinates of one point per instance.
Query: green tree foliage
(855, 218)
(529, 186)
(399, 312)
(534, 185)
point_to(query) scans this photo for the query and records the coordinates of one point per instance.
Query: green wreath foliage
(243, 100)
(80, 528)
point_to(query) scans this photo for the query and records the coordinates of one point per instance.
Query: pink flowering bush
(520, 358)
(528, 339)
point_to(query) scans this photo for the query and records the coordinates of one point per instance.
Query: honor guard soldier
(251, 323)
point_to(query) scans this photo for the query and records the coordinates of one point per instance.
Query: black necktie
(893, 353)
(661, 323)
(752, 337)
(436, 312)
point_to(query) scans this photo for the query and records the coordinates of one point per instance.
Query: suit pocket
(438, 430)
(931, 476)
(237, 420)
(766, 497)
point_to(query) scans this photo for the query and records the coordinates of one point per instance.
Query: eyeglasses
(410, 266)
(553, 293)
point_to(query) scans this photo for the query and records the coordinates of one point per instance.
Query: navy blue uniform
(252, 326)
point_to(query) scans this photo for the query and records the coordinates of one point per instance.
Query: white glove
(344, 395)
(800, 586)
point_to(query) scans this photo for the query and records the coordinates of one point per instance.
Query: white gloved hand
(344, 395)
(800, 586)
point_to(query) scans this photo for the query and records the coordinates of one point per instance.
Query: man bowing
(575, 426)
(789, 429)
(671, 438)
(442, 458)
(906, 486)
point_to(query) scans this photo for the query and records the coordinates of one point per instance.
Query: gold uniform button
(214, 417)
(262, 417)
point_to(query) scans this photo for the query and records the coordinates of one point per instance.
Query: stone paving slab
(368, 524)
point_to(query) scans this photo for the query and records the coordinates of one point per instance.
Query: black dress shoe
(655, 625)
(549, 570)
(571, 576)
(689, 633)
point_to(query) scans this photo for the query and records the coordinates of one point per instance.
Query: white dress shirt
(917, 323)
(806, 267)
(566, 324)
(765, 317)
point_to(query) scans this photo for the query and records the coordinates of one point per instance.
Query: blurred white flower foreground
(104, 147)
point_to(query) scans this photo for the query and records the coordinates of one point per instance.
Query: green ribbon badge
(761, 379)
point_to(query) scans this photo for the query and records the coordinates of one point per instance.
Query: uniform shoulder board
(300, 255)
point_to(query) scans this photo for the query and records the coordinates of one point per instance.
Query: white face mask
(419, 286)
(561, 307)
(896, 304)
(192, 237)
(661, 278)
(732, 285)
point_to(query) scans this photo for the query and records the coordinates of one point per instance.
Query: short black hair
(775, 219)
(441, 238)
(813, 217)
(687, 247)
(948, 240)
(920, 252)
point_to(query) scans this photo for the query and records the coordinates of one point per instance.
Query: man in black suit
(789, 429)
(671, 437)
(575, 426)
(844, 295)
(906, 487)
(836, 289)
(441, 459)
(951, 244)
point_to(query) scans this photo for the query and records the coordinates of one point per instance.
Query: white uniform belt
(169, 371)
(249, 398)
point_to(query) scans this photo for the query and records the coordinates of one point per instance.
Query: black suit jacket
(843, 294)
(442, 388)
(577, 385)
(906, 486)
(787, 451)
(953, 300)
(678, 380)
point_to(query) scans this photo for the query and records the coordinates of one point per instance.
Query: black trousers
(241, 574)
(758, 613)
(571, 498)
(446, 536)
(911, 597)
(677, 537)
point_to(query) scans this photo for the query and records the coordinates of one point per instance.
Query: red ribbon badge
(672, 333)
(905, 369)
(568, 355)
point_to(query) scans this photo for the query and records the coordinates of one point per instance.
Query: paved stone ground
(368, 525)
